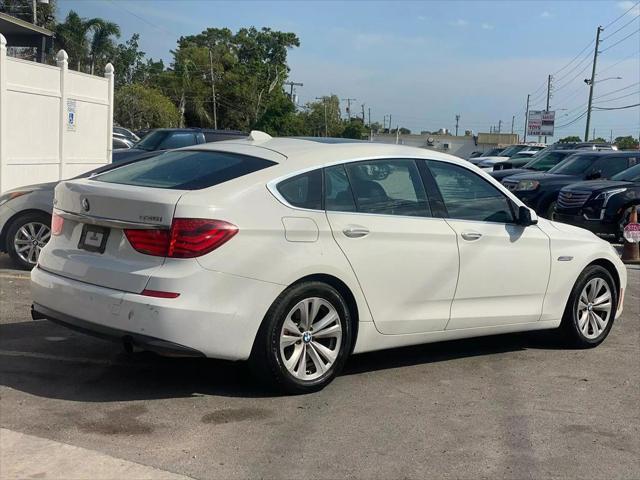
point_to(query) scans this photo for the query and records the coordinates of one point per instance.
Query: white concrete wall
(38, 142)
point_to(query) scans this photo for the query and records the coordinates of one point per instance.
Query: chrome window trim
(107, 222)
(272, 188)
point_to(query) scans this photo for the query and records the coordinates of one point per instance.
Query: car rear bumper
(127, 338)
(212, 316)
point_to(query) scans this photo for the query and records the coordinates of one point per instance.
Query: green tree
(627, 143)
(598, 140)
(280, 118)
(314, 117)
(570, 139)
(355, 129)
(137, 106)
(72, 36)
(405, 131)
(101, 42)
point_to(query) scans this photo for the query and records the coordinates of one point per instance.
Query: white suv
(294, 253)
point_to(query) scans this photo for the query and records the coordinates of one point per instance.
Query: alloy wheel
(310, 338)
(594, 308)
(29, 240)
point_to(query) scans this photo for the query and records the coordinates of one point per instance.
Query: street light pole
(592, 83)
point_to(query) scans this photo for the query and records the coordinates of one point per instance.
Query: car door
(504, 267)
(406, 260)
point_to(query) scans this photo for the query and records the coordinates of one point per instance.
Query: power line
(620, 41)
(633, 55)
(586, 57)
(623, 96)
(617, 108)
(574, 58)
(572, 121)
(574, 77)
(618, 18)
(617, 90)
(625, 25)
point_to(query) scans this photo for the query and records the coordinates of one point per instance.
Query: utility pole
(457, 121)
(326, 127)
(362, 113)
(526, 119)
(213, 91)
(611, 136)
(592, 83)
(389, 123)
(292, 84)
(499, 126)
(548, 98)
(370, 127)
(349, 100)
(513, 120)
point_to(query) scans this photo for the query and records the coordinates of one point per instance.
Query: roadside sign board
(631, 233)
(72, 119)
(541, 123)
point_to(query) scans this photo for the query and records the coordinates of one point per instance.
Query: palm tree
(72, 36)
(101, 42)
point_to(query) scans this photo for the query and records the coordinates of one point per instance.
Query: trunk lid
(111, 207)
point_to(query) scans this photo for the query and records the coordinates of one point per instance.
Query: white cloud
(629, 5)
(459, 23)
(546, 14)
(422, 17)
(487, 26)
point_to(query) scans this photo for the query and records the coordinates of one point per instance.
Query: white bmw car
(296, 253)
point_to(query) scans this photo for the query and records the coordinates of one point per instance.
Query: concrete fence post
(62, 60)
(3, 109)
(109, 75)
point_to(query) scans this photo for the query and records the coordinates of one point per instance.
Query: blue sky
(425, 61)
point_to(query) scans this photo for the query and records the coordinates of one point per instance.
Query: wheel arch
(609, 267)
(13, 218)
(345, 291)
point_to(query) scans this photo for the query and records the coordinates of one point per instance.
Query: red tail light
(56, 224)
(187, 238)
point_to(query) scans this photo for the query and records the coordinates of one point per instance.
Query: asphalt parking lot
(512, 406)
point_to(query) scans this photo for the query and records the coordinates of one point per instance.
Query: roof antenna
(258, 136)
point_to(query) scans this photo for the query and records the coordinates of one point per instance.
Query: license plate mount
(93, 238)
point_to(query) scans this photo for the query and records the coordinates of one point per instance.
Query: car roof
(609, 153)
(300, 153)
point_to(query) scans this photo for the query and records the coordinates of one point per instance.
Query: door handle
(471, 236)
(355, 231)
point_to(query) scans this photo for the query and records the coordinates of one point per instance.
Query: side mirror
(594, 175)
(525, 216)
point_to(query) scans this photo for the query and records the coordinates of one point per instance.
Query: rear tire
(591, 308)
(298, 353)
(26, 236)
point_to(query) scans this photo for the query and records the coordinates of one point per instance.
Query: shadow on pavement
(43, 359)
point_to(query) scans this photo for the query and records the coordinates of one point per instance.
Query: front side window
(609, 166)
(576, 164)
(545, 161)
(388, 187)
(178, 140)
(304, 190)
(467, 196)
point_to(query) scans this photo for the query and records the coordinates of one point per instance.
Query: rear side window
(185, 170)
(303, 191)
(388, 187)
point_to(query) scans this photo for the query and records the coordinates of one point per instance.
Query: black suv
(163, 139)
(602, 206)
(540, 162)
(540, 190)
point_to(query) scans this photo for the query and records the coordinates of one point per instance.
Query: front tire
(551, 210)
(26, 236)
(591, 308)
(304, 340)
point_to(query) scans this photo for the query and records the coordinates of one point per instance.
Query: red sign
(631, 233)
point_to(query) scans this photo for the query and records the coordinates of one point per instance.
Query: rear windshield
(185, 170)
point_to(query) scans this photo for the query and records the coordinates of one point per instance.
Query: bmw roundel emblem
(85, 205)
